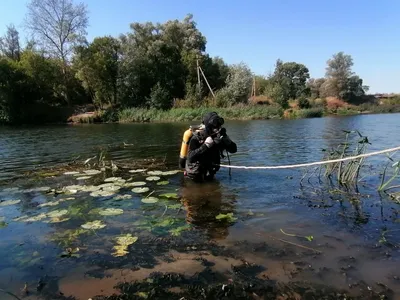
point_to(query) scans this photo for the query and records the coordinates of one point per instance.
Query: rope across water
(312, 163)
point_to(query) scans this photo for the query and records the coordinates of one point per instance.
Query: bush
(304, 103)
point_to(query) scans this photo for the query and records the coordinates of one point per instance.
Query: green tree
(338, 71)
(9, 44)
(97, 66)
(238, 86)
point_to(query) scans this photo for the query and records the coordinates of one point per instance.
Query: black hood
(211, 120)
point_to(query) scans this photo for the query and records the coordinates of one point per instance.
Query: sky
(259, 32)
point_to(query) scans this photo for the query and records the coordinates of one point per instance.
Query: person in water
(206, 147)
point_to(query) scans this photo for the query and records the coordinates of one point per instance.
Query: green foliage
(97, 66)
(160, 97)
(288, 82)
(304, 103)
(238, 84)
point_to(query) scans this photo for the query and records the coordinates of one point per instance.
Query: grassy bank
(326, 107)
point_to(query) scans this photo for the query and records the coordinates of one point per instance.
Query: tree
(288, 82)
(9, 44)
(58, 25)
(314, 85)
(97, 66)
(337, 72)
(238, 86)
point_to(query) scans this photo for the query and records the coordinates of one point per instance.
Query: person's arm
(196, 150)
(226, 142)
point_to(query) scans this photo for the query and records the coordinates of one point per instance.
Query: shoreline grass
(237, 112)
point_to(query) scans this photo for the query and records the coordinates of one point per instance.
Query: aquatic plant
(139, 190)
(346, 172)
(123, 241)
(9, 202)
(150, 200)
(111, 211)
(226, 217)
(93, 225)
(165, 182)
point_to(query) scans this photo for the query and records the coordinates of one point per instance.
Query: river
(279, 231)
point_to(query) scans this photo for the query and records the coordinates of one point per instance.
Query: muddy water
(301, 240)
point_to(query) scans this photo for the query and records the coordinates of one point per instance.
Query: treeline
(152, 66)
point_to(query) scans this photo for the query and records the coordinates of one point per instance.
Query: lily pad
(57, 220)
(150, 200)
(94, 225)
(123, 241)
(126, 240)
(136, 183)
(120, 251)
(113, 188)
(165, 182)
(177, 231)
(172, 172)
(111, 179)
(111, 212)
(170, 195)
(140, 190)
(153, 178)
(89, 188)
(37, 189)
(137, 171)
(71, 173)
(51, 203)
(155, 173)
(57, 213)
(32, 219)
(92, 172)
(9, 202)
(102, 193)
(122, 197)
(101, 186)
(67, 199)
(228, 217)
(83, 177)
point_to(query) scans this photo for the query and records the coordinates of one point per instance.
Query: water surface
(347, 251)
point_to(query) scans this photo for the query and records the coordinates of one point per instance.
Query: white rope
(313, 163)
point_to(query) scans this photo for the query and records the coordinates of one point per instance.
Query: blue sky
(259, 32)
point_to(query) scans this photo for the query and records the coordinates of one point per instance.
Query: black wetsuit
(202, 162)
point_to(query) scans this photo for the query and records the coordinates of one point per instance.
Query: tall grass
(239, 112)
(347, 172)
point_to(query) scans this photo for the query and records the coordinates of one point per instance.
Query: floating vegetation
(169, 195)
(70, 252)
(102, 193)
(123, 241)
(227, 217)
(57, 213)
(71, 173)
(9, 202)
(165, 182)
(51, 203)
(178, 231)
(140, 190)
(67, 237)
(150, 200)
(36, 218)
(92, 172)
(137, 171)
(307, 237)
(93, 225)
(113, 188)
(122, 197)
(153, 178)
(57, 220)
(174, 206)
(172, 172)
(83, 177)
(112, 179)
(154, 173)
(101, 186)
(111, 212)
(136, 183)
(10, 190)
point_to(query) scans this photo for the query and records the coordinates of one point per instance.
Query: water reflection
(204, 202)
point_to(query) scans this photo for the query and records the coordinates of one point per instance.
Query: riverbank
(239, 112)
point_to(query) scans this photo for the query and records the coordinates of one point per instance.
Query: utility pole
(198, 78)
